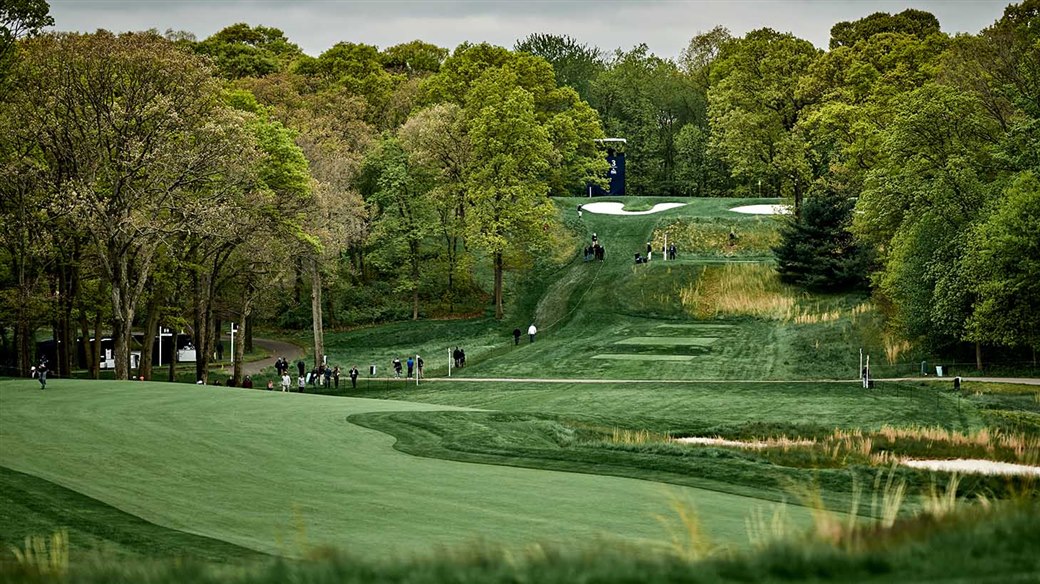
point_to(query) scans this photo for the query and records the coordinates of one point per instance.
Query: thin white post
(160, 346)
(665, 247)
(866, 378)
(232, 343)
(860, 370)
(449, 361)
(417, 369)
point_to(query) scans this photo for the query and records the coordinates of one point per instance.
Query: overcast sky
(666, 26)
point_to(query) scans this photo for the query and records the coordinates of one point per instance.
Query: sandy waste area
(763, 209)
(960, 465)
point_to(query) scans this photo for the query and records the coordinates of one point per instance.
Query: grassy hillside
(717, 312)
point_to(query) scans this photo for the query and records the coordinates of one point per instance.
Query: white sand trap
(738, 443)
(763, 209)
(976, 466)
(608, 208)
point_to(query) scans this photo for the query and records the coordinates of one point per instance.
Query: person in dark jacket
(516, 336)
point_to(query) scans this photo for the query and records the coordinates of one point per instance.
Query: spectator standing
(516, 336)
(302, 383)
(419, 364)
(301, 367)
(532, 331)
(286, 381)
(353, 376)
(335, 375)
(397, 367)
(411, 365)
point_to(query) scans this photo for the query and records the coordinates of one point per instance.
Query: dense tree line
(153, 178)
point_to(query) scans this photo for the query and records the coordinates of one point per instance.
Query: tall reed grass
(739, 290)
(46, 556)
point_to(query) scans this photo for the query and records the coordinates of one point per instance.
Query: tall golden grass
(689, 541)
(43, 555)
(623, 436)
(845, 446)
(739, 290)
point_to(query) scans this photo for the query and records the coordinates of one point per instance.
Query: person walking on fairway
(516, 336)
(353, 377)
(300, 381)
(286, 380)
(531, 332)
(41, 371)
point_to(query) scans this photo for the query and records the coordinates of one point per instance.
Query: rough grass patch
(711, 237)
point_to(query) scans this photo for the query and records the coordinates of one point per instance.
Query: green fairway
(669, 341)
(641, 357)
(263, 469)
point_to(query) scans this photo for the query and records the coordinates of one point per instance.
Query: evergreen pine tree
(816, 249)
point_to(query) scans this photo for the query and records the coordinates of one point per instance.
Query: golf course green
(560, 443)
(252, 468)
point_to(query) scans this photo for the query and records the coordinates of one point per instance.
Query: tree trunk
(414, 245)
(247, 334)
(319, 335)
(978, 356)
(61, 323)
(95, 365)
(240, 346)
(797, 199)
(121, 346)
(22, 342)
(88, 347)
(201, 332)
(151, 327)
(499, 311)
(173, 361)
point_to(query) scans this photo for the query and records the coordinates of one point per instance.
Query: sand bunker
(974, 466)
(740, 444)
(763, 209)
(608, 208)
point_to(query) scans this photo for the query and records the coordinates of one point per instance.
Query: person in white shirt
(531, 331)
(286, 380)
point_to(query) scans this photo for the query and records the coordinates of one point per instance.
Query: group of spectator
(669, 252)
(594, 251)
(415, 367)
(459, 356)
(321, 376)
